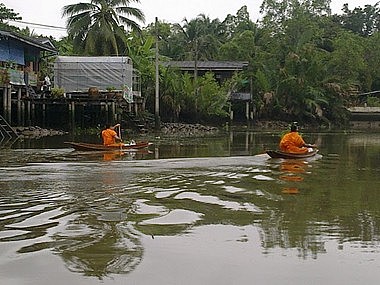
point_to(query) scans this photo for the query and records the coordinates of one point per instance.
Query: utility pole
(196, 91)
(157, 101)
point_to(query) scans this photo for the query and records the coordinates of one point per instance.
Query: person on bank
(110, 137)
(293, 142)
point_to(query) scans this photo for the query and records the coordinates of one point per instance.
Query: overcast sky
(49, 12)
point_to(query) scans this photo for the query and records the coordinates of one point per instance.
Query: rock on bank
(37, 132)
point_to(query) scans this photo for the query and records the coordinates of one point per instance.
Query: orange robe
(108, 136)
(292, 142)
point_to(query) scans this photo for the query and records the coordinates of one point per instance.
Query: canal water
(211, 210)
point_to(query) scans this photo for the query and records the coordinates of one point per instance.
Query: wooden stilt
(19, 107)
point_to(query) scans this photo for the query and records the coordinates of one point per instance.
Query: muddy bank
(168, 129)
(37, 132)
(182, 129)
(270, 125)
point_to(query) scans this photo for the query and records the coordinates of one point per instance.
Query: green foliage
(304, 63)
(57, 92)
(373, 102)
(362, 21)
(7, 14)
(371, 75)
(212, 98)
(65, 46)
(347, 59)
(232, 50)
(97, 28)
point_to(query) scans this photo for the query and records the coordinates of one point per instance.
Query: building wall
(11, 51)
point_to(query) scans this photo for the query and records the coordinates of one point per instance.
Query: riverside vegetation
(304, 63)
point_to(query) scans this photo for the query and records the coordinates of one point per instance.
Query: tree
(347, 61)
(98, 27)
(201, 38)
(171, 39)
(240, 47)
(64, 46)
(8, 15)
(236, 24)
(277, 12)
(372, 59)
(140, 49)
(361, 21)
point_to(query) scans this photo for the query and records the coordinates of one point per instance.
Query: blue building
(20, 62)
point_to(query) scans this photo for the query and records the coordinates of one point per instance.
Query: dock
(79, 109)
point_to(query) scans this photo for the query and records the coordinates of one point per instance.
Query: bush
(57, 92)
(373, 102)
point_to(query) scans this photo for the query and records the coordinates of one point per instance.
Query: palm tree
(98, 27)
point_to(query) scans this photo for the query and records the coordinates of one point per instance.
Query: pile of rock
(271, 125)
(37, 132)
(187, 129)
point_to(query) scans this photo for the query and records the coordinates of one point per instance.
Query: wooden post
(28, 110)
(5, 92)
(103, 113)
(157, 97)
(32, 112)
(113, 111)
(107, 113)
(19, 107)
(247, 112)
(9, 105)
(22, 109)
(44, 114)
(72, 114)
(247, 142)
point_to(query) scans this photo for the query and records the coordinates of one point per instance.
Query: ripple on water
(143, 208)
(175, 217)
(233, 189)
(216, 201)
(263, 177)
(161, 193)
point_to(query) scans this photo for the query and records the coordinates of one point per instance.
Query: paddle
(120, 137)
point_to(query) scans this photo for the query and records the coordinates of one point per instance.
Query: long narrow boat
(281, 154)
(99, 147)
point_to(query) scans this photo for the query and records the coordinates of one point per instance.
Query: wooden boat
(99, 147)
(281, 154)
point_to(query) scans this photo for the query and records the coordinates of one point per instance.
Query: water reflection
(104, 248)
(291, 171)
(133, 219)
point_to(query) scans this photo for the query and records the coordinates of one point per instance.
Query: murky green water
(192, 211)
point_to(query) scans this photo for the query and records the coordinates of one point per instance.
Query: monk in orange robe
(292, 142)
(110, 136)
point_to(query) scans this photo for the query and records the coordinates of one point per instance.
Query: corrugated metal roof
(207, 65)
(42, 44)
(94, 59)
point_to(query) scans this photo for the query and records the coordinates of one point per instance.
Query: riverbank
(36, 132)
(167, 129)
(188, 130)
(174, 129)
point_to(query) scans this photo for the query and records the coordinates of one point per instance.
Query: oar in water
(121, 148)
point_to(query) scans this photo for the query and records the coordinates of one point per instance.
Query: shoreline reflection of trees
(100, 240)
(116, 250)
(100, 249)
(303, 222)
